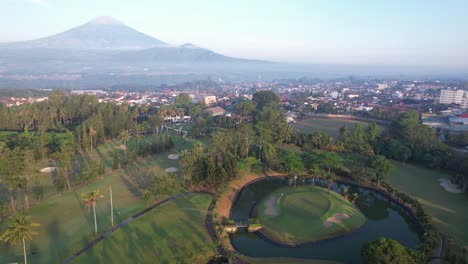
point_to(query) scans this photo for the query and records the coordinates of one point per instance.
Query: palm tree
(138, 139)
(92, 133)
(125, 137)
(90, 199)
(19, 229)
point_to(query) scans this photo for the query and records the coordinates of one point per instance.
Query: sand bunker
(335, 219)
(173, 156)
(449, 186)
(270, 208)
(121, 147)
(48, 169)
(171, 169)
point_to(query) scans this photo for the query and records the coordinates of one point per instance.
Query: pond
(384, 218)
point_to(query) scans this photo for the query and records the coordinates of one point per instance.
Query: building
(209, 99)
(89, 92)
(452, 96)
(216, 111)
(381, 86)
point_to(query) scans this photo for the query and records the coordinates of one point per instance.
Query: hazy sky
(406, 32)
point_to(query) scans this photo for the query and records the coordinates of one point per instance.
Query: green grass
(171, 233)
(66, 225)
(309, 125)
(299, 214)
(449, 211)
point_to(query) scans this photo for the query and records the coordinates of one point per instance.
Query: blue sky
(411, 32)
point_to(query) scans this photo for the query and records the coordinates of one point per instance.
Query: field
(449, 211)
(309, 125)
(171, 233)
(66, 224)
(306, 214)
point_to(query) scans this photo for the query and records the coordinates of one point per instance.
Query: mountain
(101, 33)
(106, 52)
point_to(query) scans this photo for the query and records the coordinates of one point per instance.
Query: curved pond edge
(419, 226)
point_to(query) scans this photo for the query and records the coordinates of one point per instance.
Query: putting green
(306, 214)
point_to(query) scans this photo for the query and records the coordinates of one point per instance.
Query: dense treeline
(242, 148)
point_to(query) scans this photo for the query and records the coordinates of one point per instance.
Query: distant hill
(100, 33)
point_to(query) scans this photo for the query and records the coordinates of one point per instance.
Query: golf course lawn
(171, 233)
(449, 211)
(66, 226)
(309, 125)
(304, 214)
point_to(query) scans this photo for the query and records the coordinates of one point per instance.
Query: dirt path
(227, 198)
(208, 224)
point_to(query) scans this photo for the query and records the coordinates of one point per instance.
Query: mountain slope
(100, 33)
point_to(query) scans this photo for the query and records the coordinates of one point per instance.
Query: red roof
(464, 115)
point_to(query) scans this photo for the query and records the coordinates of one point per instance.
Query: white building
(452, 96)
(209, 100)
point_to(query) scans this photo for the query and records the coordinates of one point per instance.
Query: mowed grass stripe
(171, 233)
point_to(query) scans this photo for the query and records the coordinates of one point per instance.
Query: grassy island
(307, 214)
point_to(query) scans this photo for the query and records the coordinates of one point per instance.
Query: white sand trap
(270, 208)
(449, 186)
(48, 169)
(171, 169)
(173, 156)
(335, 219)
(121, 147)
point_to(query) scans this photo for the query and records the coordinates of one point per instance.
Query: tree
(329, 160)
(264, 98)
(11, 166)
(292, 163)
(19, 229)
(29, 172)
(91, 199)
(372, 132)
(125, 137)
(385, 251)
(156, 121)
(63, 159)
(382, 167)
(92, 133)
(115, 163)
(330, 177)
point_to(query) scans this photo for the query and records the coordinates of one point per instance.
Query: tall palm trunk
(13, 200)
(67, 180)
(111, 205)
(95, 221)
(24, 252)
(26, 197)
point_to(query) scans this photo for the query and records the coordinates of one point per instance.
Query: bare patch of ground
(121, 147)
(335, 219)
(270, 208)
(48, 169)
(173, 156)
(223, 207)
(449, 186)
(171, 169)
